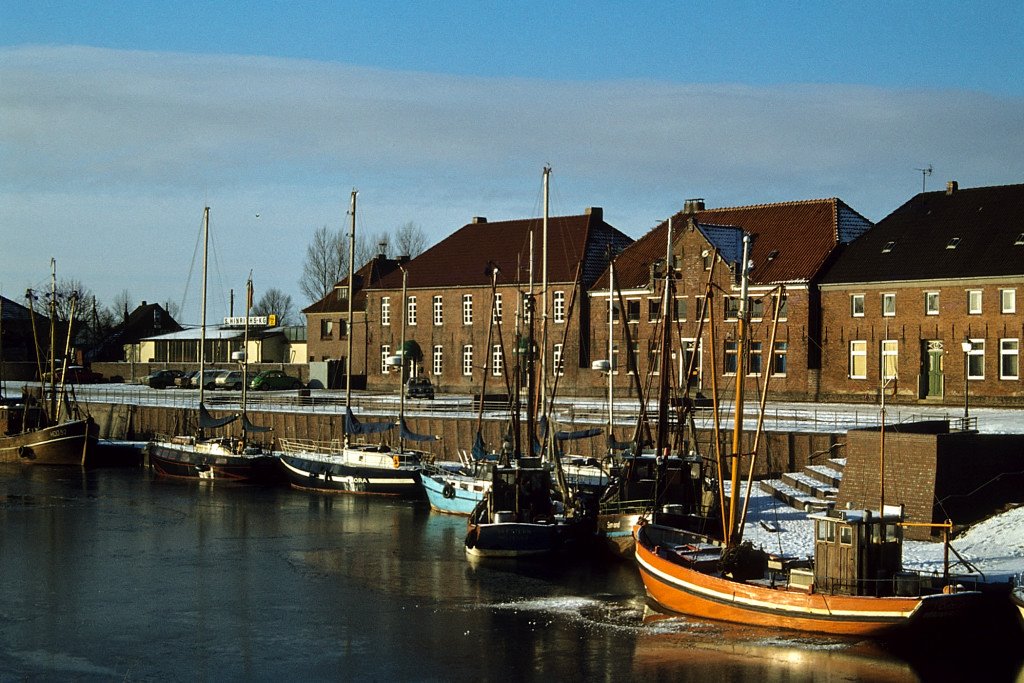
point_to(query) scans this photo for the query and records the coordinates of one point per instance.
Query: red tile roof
(462, 259)
(792, 241)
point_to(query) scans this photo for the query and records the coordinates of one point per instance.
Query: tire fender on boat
(25, 452)
(449, 490)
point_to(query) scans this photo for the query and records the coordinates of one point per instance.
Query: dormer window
(888, 247)
(952, 243)
(772, 254)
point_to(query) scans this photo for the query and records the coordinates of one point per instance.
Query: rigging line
(191, 268)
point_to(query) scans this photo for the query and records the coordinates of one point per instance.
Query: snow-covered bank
(995, 546)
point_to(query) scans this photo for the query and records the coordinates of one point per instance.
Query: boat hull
(69, 443)
(689, 590)
(452, 493)
(327, 474)
(204, 462)
(513, 539)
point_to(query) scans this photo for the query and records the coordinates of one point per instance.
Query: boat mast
(245, 352)
(348, 321)
(401, 368)
(611, 344)
(661, 445)
(544, 300)
(53, 337)
(737, 429)
(202, 325)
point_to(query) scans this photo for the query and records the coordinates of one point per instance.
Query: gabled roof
(964, 233)
(791, 243)
(146, 320)
(336, 301)
(12, 310)
(463, 258)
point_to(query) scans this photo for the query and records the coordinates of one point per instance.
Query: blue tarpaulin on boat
(207, 421)
(354, 426)
(413, 436)
(479, 450)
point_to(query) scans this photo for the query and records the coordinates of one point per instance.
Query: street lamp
(966, 345)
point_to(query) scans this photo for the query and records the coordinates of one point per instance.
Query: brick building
(455, 330)
(327, 319)
(791, 244)
(939, 273)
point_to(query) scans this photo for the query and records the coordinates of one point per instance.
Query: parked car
(75, 374)
(161, 379)
(209, 379)
(274, 379)
(185, 381)
(229, 380)
(419, 387)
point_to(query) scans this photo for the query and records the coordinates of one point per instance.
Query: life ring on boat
(449, 490)
(396, 461)
(25, 452)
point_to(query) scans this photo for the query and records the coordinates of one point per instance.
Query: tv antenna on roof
(925, 172)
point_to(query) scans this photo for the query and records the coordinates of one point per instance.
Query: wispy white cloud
(87, 131)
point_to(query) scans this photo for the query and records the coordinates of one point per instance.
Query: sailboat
(670, 479)
(854, 585)
(199, 456)
(54, 433)
(342, 466)
(528, 510)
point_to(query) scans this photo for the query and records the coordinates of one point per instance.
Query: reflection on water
(112, 574)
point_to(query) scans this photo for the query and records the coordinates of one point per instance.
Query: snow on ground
(995, 546)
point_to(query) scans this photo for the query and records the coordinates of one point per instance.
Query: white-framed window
(729, 366)
(437, 360)
(732, 307)
(632, 310)
(615, 359)
(633, 359)
(653, 310)
(976, 359)
(556, 360)
(467, 309)
(779, 359)
(1008, 300)
(559, 306)
(438, 310)
(653, 358)
(931, 303)
(497, 361)
(755, 308)
(412, 310)
(326, 329)
(680, 308)
(467, 360)
(613, 311)
(890, 358)
(858, 359)
(889, 304)
(1009, 359)
(754, 358)
(974, 301)
(857, 305)
(385, 310)
(385, 351)
(496, 313)
(783, 308)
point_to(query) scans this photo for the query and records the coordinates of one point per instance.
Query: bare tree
(122, 306)
(274, 301)
(409, 240)
(369, 246)
(326, 263)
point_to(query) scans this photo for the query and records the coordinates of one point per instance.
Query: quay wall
(777, 452)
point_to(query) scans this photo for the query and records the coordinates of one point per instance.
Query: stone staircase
(813, 489)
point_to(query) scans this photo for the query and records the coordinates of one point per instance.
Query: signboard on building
(254, 320)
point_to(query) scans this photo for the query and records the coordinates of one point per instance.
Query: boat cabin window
(846, 534)
(891, 533)
(825, 530)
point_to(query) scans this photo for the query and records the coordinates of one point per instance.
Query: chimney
(951, 187)
(691, 206)
(479, 219)
(595, 212)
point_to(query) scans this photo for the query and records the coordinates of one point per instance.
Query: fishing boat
(529, 509)
(49, 429)
(854, 584)
(661, 473)
(342, 465)
(224, 457)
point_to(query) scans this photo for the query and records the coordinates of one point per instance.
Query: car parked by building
(274, 379)
(231, 379)
(161, 379)
(419, 387)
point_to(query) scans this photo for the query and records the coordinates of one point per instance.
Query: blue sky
(122, 120)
